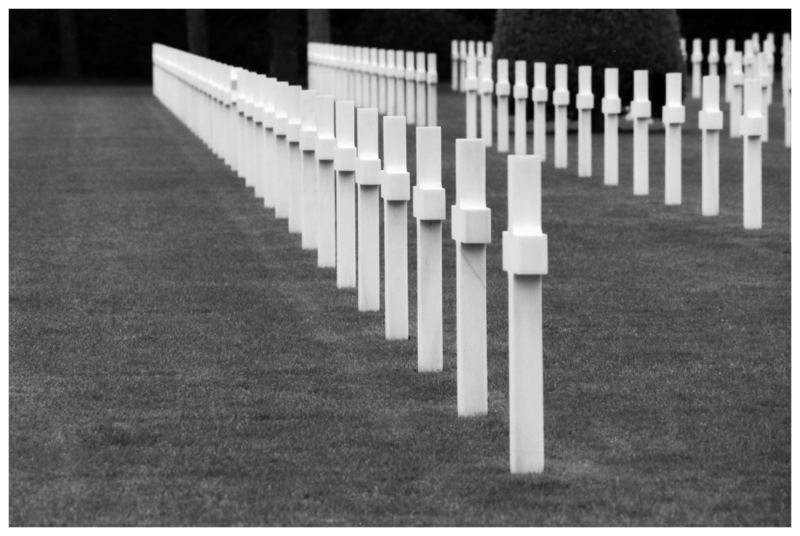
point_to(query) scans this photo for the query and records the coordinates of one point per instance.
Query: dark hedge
(626, 39)
(239, 37)
(428, 30)
(736, 24)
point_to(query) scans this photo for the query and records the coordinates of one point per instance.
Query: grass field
(177, 359)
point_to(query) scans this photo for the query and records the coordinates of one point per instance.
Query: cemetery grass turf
(177, 359)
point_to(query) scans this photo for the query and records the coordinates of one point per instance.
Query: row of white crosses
(755, 60)
(479, 80)
(298, 149)
(673, 116)
(396, 82)
(459, 52)
(710, 122)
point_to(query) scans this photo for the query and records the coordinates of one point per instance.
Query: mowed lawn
(177, 359)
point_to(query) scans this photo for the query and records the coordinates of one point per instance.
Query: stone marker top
(258, 94)
(713, 51)
(309, 99)
(525, 194)
(480, 52)
(365, 61)
(584, 99)
(487, 84)
(471, 69)
(325, 146)
(281, 116)
(400, 62)
(373, 60)
(345, 155)
(216, 79)
(736, 74)
(561, 92)
(349, 57)
(390, 64)
(673, 111)
(611, 82)
(520, 77)
(611, 103)
(253, 89)
(730, 47)
(697, 50)
(737, 62)
(235, 81)
(295, 109)
(410, 71)
(223, 78)
(640, 106)
(345, 124)
(432, 68)
(540, 75)
(367, 133)
(711, 94)
(471, 48)
(270, 87)
(503, 87)
(489, 49)
(749, 52)
(524, 244)
(763, 68)
(212, 76)
(240, 81)
(502, 71)
(752, 101)
(674, 89)
(422, 75)
(454, 48)
(471, 181)
(246, 91)
(429, 161)
(585, 80)
(252, 82)
(241, 90)
(381, 59)
(462, 49)
(640, 85)
(539, 90)
(325, 116)
(561, 77)
(308, 126)
(233, 75)
(282, 101)
(394, 144)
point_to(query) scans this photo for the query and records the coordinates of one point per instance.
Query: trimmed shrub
(628, 39)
